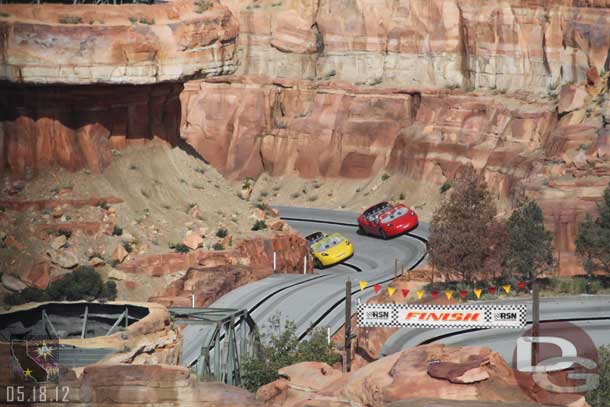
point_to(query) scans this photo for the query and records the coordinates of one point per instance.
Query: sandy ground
(345, 194)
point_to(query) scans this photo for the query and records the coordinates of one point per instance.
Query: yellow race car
(329, 249)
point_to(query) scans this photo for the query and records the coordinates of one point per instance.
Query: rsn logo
(574, 370)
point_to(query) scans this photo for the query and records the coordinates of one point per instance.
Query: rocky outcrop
(210, 275)
(431, 371)
(155, 385)
(129, 44)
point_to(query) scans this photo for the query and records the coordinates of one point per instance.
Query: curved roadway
(590, 312)
(318, 299)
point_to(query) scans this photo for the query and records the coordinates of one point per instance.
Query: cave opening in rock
(67, 320)
(77, 126)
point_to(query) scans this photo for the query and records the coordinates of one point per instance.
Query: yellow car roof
(328, 242)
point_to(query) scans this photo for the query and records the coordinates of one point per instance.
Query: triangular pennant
(391, 291)
(463, 294)
(492, 290)
(477, 292)
(405, 292)
(377, 287)
(363, 285)
(506, 288)
(449, 294)
(522, 285)
(434, 294)
(420, 294)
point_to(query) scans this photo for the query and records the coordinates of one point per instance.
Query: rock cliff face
(512, 45)
(129, 44)
(76, 127)
(522, 145)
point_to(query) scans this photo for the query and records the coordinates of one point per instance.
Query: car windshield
(394, 215)
(326, 244)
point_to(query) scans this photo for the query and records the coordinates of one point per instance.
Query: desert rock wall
(77, 126)
(518, 45)
(127, 44)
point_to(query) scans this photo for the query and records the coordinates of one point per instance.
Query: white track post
(304, 264)
(328, 335)
(274, 262)
(193, 300)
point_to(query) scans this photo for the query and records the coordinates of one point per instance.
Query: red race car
(387, 220)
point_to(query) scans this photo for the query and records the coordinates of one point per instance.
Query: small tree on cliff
(464, 233)
(530, 246)
(593, 240)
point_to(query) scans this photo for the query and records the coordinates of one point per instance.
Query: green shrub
(109, 291)
(218, 246)
(70, 20)
(148, 21)
(401, 196)
(445, 187)
(82, 283)
(222, 232)
(27, 295)
(259, 225)
(179, 247)
(127, 247)
(385, 177)
(3, 14)
(600, 397)
(117, 231)
(103, 205)
(201, 6)
(282, 349)
(133, 19)
(65, 232)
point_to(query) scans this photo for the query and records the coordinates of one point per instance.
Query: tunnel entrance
(69, 320)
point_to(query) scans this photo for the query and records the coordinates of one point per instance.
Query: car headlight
(347, 242)
(411, 213)
(324, 254)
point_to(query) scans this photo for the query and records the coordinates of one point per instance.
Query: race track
(318, 300)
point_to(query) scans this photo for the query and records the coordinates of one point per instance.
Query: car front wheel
(317, 263)
(382, 234)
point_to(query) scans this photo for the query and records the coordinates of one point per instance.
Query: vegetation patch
(71, 20)
(84, 283)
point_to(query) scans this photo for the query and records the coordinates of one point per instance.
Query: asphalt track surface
(318, 300)
(589, 312)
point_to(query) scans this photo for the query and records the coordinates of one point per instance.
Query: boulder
(12, 283)
(572, 97)
(193, 241)
(58, 242)
(276, 225)
(39, 275)
(96, 262)
(63, 258)
(310, 375)
(57, 212)
(195, 212)
(467, 372)
(119, 254)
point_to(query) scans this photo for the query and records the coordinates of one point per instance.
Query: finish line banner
(442, 316)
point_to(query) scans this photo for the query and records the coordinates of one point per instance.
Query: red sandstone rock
(193, 241)
(572, 98)
(38, 275)
(402, 376)
(119, 254)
